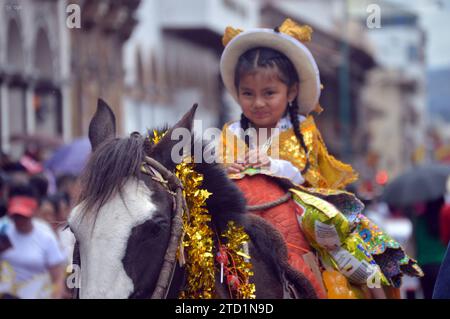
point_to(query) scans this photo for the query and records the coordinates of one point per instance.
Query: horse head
(123, 219)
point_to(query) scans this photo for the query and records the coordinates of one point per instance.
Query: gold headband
(300, 32)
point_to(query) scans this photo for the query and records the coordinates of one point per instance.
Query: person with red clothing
(31, 260)
(444, 219)
(442, 286)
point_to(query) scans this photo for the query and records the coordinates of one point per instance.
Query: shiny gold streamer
(236, 239)
(198, 241)
(157, 136)
(198, 236)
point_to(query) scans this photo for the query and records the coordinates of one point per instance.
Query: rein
(265, 206)
(174, 187)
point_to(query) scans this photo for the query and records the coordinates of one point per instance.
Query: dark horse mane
(108, 169)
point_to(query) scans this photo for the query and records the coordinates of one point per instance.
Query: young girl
(275, 80)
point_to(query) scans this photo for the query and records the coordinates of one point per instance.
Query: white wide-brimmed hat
(286, 40)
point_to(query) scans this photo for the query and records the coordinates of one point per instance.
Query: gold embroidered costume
(324, 171)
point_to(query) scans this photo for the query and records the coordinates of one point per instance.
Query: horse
(124, 220)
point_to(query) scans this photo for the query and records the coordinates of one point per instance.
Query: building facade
(34, 64)
(51, 72)
(96, 59)
(395, 98)
(172, 61)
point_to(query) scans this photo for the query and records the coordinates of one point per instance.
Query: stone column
(30, 122)
(4, 108)
(65, 56)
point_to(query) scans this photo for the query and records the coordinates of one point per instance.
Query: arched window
(43, 61)
(46, 102)
(14, 107)
(15, 56)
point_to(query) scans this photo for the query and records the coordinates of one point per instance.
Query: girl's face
(263, 97)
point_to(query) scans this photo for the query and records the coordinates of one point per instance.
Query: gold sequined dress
(324, 171)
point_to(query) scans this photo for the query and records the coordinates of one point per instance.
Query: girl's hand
(257, 159)
(235, 168)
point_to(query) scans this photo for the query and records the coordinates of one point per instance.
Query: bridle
(173, 186)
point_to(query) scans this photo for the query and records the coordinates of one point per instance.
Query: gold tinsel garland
(197, 239)
(198, 236)
(237, 238)
(157, 136)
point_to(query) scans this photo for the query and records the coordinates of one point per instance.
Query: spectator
(40, 183)
(54, 210)
(35, 258)
(444, 218)
(4, 159)
(17, 172)
(442, 287)
(430, 250)
(47, 211)
(3, 188)
(68, 184)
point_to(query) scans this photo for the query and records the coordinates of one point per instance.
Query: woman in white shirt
(35, 262)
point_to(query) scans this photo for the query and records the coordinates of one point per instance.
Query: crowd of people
(35, 244)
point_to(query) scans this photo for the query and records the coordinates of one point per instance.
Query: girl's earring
(290, 104)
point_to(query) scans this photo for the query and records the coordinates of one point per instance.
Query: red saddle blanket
(261, 189)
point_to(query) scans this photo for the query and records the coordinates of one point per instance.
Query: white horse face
(103, 244)
(122, 245)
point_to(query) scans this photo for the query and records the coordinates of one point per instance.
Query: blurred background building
(172, 60)
(395, 96)
(51, 75)
(96, 58)
(34, 69)
(385, 101)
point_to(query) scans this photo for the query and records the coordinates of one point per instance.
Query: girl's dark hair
(269, 58)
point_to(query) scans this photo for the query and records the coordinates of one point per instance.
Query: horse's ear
(163, 150)
(187, 120)
(103, 125)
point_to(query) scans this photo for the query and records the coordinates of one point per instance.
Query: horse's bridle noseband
(174, 187)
